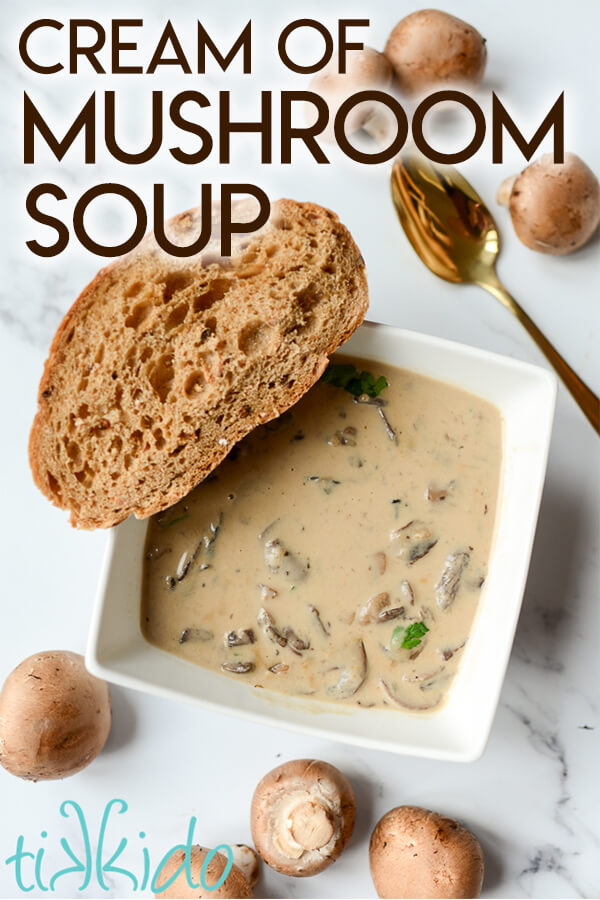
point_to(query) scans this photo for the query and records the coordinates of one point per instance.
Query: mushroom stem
(302, 816)
(311, 825)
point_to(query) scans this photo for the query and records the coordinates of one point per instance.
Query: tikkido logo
(97, 861)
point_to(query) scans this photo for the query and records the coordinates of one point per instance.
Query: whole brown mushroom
(54, 716)
(235, 885)
(418, 853)
(302, 816)
(366, 69)
(432, 49)
(554, 207)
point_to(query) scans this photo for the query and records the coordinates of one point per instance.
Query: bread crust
(291, 294)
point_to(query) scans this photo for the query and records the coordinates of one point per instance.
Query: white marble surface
(533, 798)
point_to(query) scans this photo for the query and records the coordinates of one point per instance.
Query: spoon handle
(586, 399)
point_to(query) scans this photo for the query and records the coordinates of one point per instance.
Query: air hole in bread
(210, 329)
(127, 461)
(213, 294)
(245, 411)
(115, 445)
(99, 354)
(137, 436)
(159, 438)
(329, 268)
(83, 411)
(133, 289)
(219, 420)
(247, 262)
(83, 383)
(177, 450)
(139, 314)
(147, 422)
(99, 427)
(70, 335)
(254, 268)
(307, 326)
(309, 297)
(146, 354)
(175, 281)
(161, 376)
(73, 451)
(208, 360)
(194, 383)
(53, 485)
(255, 337)
(85, 476)
(176, 316)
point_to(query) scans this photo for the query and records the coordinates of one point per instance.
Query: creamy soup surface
(339, 552)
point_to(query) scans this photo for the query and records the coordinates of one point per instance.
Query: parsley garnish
(407, 638)
(347, 376)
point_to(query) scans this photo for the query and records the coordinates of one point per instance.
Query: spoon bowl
(455, 235)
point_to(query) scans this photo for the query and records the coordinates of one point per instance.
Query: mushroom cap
(302, 816)
(430, 48)
(418, 853)
(235, 885)
(54, 716)
(555, 207)
(366, 69)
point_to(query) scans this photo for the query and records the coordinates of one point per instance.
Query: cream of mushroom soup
(340, 552)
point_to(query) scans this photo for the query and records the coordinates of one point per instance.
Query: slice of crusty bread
(163, 364)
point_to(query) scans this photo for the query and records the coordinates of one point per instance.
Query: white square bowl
(526, 397)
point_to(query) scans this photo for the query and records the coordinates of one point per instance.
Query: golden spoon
(455, 235)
